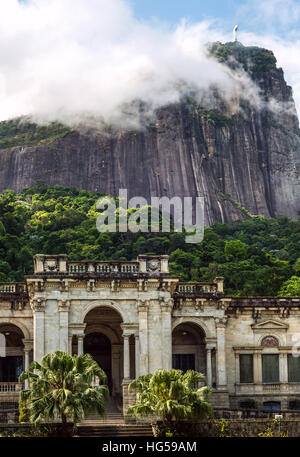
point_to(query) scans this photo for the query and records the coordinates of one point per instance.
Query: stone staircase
(112, 425)
(113, 431)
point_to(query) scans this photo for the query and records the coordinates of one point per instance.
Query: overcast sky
(62, 57)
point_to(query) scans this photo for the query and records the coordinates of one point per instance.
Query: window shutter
(246, 368)
(293, 368)
(270, 368)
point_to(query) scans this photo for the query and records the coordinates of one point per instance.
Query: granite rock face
(246, 160)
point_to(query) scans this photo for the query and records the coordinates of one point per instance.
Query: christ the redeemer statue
(235, 33)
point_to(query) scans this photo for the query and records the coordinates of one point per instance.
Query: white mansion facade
(134, 318)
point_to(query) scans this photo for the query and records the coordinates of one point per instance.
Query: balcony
(10, 387)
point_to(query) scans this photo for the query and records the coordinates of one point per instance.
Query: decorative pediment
(270, 324)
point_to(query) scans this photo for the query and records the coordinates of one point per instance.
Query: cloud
(68, 60)
(287, 53)
(272, 15)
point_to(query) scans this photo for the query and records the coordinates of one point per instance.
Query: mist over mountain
(241, 153)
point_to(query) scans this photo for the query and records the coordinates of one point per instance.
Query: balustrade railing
(197, 288)
(6, 387)
(272, 387)
(103, 267)
(8, 288)
(12, 288)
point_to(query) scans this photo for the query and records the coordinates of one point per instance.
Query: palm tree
(63, 386)
(172, 396)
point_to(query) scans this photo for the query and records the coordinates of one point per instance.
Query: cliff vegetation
(22, 132)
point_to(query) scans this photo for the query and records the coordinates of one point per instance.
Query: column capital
(38, 305)
(143, 305)
(28, 344)
(129, 328)
(64, 305)
(221, 322)
(210, 343)
(76, 329)
(166, 305)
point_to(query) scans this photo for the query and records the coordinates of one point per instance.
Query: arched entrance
(12, 354)
(104, 342)
(98, 346)
(188, 348)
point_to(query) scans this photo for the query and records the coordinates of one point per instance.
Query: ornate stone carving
(51, 265)
(270, 342)
(153, 267)
(38, 305)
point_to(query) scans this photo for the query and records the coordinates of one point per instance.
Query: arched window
(269, 342)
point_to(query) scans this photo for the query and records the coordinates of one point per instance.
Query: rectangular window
(246, 368)
(270, 368)
(184, 362)
(293, 368)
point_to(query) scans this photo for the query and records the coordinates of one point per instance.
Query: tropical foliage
(172, 396)
(256, 255)
(23, 132)
(252, 59)
(291, 288)
(62, 387)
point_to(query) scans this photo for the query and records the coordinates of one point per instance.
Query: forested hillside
(256, 256)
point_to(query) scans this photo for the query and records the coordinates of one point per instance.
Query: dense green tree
(62, 386)
(172, 396)
(256, 256)
(235, 250)
(290, 288)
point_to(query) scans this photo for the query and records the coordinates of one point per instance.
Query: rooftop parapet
(60, 264)
(200, 289)
(12, 288)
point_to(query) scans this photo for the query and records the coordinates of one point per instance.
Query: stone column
(80, 344)
(143, 336)
(208, 367)
(257, 368)
(63, 308)
(237, 368)
(126, 357)
(70, 341)
(38, 308)
(166, 334)
(27, 348)
(137, 355)
(115, 368)
(221, 354)
(283, 368)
